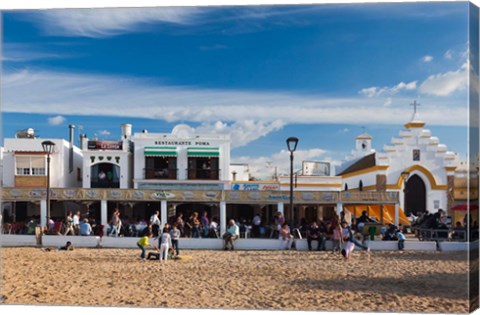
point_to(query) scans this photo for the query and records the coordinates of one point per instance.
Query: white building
(181, 159)
(25, 166)
(108, 164)
(415, 164)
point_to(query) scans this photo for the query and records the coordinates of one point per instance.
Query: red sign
(105, 145)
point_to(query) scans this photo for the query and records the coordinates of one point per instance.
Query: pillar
(43, 212)
(339, 208)
(223, 217)
(397, 214)
(163, 213)
(280, 208)
(104, 215)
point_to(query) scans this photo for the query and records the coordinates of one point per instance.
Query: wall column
(43, 212)
(104, 215)
(339, 208)
(163, 214)
(397, 214)
(280, 208)
(223, 217)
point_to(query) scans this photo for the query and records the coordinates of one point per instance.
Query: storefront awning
(203, 152)
(160, 151)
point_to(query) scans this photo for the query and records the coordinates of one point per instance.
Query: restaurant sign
(105, 145)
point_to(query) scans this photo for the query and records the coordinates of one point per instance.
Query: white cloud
(16, 52)
(57, 120)
(444, 84)
(375, 91)
(109, 21)
(57, 93)
(104, 133)
(241, 132)
(448, 54)
(427, 58)
(263, 167)
(388, 102)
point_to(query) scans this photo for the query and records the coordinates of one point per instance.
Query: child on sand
(142, 243)
(336, 237)
(165, 242)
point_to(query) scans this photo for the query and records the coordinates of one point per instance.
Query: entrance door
(415, 196)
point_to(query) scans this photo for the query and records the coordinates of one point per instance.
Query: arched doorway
(105, 175)
(415, 196)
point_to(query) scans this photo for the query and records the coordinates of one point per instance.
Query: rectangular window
(416, 155)
(30, 165)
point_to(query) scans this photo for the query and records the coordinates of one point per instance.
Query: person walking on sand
(164, 243)
(142, 243)
(175, 235)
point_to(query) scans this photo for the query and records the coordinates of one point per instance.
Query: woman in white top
(165, 243)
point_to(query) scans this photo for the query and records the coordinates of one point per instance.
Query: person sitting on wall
(85, 228)
(233, 232)
(313, 234)
(364, 218)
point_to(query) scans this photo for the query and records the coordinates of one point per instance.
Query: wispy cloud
(444, 84)
(109, 21)
(263, 167)
(448, 54)
(241, 132)
(57, 120)
(20, 52)
(61, 93)
(104, 133)
(376, 91)
(427, 58)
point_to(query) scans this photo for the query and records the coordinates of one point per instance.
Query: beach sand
(274, 280)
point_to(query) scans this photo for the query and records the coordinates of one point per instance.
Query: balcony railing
(200, 173)
(160, 173)
(105, 183)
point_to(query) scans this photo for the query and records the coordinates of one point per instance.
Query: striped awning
(160, 151)
(203, 152)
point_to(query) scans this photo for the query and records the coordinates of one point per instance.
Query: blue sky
(259, 73)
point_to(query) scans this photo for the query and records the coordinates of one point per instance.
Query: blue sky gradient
(258, 73)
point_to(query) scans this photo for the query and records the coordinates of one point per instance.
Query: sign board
(316, 168)
(255, 186)
(105, 145)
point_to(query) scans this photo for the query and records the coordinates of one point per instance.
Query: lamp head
(48, 146)
(292, 144)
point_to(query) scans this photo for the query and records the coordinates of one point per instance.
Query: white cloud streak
(57, 120)
(375, 91)
(427, 58)
(46, 92)
(444, 84)
(109, 22)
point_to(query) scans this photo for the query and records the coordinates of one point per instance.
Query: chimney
(70, 157)
(126, 131)
(82, 136)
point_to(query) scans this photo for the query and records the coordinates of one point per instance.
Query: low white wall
(7, 240)
(303, 245)
(455, 246)
(409, 245)
(77, 241)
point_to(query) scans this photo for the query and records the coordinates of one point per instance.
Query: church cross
(415, 104)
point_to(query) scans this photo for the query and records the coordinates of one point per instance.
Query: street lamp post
(404, 175)
(48, 149)
(292, 146)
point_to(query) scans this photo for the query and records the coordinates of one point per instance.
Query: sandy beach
(261, 280)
